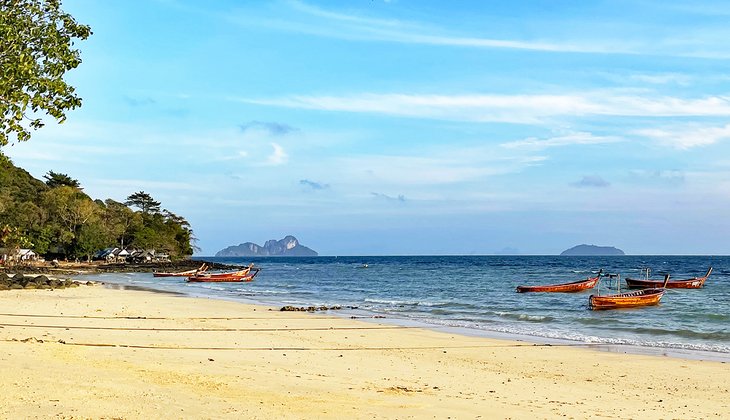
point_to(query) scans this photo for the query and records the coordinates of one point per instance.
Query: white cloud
(687, 137)
(278, 156)
(581, 138)
(528, 109)
(350, 26)
(662, 78)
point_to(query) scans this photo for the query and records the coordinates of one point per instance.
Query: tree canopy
(36, 50)
(61, 220)
(144, 202)
(55, 179)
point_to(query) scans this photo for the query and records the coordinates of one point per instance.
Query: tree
(35, 52)
(144, 202)
(55, 179)
(69, 210)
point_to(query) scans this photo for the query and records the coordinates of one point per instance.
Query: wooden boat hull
(645, 297)
(235, 277)
(693, 283)
(576, 286)
(187, 273)
(181, 274)
(220, 279)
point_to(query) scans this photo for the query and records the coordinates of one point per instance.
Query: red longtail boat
(244, 275)
(572, 287)
(693, 283)
(188, 273)
(645, 297)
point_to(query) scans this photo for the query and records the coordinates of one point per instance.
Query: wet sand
(93, 352)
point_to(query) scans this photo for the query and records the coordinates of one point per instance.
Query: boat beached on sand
(187, 273)
(693, 283)
(247, 274)
(571, 287)
(644, 297)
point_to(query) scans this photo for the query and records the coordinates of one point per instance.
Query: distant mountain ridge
(287, 247)
(589, 250)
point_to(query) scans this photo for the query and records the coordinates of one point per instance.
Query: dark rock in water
(4, 277)
(592, 250)
(287, 247)
(290, 308)
(18, 277)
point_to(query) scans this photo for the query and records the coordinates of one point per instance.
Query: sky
(408, 127)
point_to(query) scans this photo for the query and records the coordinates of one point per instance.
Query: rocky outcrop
(287, 247)
(592, 250)
(20, 281)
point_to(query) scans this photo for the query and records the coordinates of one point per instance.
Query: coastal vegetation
(37, 50)
(57, 218)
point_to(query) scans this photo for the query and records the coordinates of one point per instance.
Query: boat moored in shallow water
(572, 287)
(644, 297)
(693, 283)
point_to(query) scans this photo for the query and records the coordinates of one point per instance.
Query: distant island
(590, 250)
(287, 247)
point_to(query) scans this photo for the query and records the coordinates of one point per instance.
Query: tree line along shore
(56, 219)
(75, 268)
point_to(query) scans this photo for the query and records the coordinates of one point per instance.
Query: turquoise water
(478, 293)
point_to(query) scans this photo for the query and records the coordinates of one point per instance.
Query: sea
(476, 295)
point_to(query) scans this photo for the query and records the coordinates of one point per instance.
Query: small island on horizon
(592, 250)
(287, 247)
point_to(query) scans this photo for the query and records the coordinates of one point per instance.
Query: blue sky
(408, 127)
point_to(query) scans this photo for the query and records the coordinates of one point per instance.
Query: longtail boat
(188, 273)
(693, 283)
(236, 276)
(572, 287)
(644, 297)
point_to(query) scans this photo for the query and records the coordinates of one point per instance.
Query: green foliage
(144, 202)
(55, 179)
(64, 220)
(36, 50)
(12, 237)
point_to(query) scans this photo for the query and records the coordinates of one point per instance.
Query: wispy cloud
(273, 128)
(323, 22)
(278, 156)
(314, 185)
(401, 198)
(528, 109)
(668, 177)
(591, 181)
(580, 138)
(662, 78)
(687, 137)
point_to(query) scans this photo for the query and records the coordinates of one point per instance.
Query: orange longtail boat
(693, 283)
(188, 273)
(572, 287)
(244, 275)
(644, 297)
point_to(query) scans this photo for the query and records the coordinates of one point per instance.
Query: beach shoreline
(432, 325)
(100, 352)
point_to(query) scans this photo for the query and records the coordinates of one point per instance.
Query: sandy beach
(95, 352)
